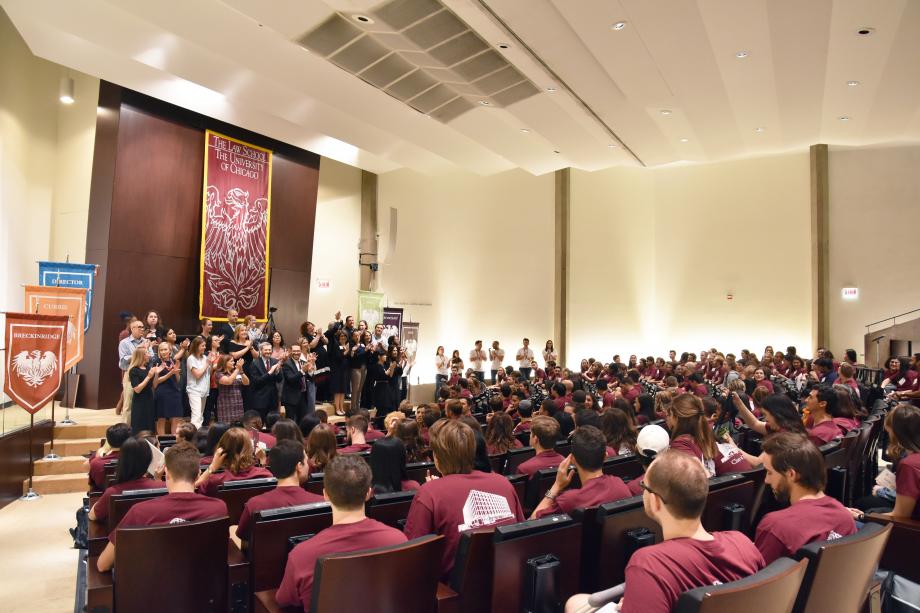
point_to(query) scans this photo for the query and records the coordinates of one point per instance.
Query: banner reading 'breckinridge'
(235, 228)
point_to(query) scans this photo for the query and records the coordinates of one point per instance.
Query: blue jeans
(439, 381)
(311, 397)
(525, 372)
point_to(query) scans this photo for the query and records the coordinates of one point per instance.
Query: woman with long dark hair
(619, 431)
(388, 467)
(408, 432)
(500, 434)
(131, 474)
(321, 447)
(235, 456)
(338, 363)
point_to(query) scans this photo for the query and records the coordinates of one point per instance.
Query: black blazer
(262, 390)
(292, 376)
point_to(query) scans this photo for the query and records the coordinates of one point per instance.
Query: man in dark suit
(294, 386)
(264, 374)
(225, 329)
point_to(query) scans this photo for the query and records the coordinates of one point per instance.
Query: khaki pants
(128, 392)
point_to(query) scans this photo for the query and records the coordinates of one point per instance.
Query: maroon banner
(235, 228)
(36, 351)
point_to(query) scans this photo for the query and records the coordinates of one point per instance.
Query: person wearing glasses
(674, 493)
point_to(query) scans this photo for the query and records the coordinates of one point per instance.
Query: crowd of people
(681, 417)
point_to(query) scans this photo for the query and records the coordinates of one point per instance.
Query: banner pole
(51, 455)
(31, 495)
(67, 421)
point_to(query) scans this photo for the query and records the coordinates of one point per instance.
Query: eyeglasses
(651, 491)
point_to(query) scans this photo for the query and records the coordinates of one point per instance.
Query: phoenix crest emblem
(35, 366)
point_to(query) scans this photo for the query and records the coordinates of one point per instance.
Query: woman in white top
(497, 356)
(442, 368)
(198, 381)
(549, 353)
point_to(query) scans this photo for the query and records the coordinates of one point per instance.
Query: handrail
(893, 317)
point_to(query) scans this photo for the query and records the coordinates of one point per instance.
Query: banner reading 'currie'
(235, 228)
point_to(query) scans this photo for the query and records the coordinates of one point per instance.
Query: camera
(272, 309)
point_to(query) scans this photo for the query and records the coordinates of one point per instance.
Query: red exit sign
(323, 284)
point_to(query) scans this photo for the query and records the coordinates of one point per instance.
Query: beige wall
(335, 241)
(874, 225)
(476, 252)
(658, 251)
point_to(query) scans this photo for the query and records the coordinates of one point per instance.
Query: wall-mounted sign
(323, 284)
(849, 293)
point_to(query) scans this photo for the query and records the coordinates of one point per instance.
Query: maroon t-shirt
(409, 485)
(824, 433)
(632, 393)
(355, 448)
(97, 469)
(721, 465)
(784, 532)
(461, 502)
(209, 487)
(657, 575)
(605, 488)
(635, 485)
(101, 508)
(492, 450)
(296, 588)
(280, 497)
(171, 509)
(524, 426)
(373, 435)
(544, 459)
(907, 480)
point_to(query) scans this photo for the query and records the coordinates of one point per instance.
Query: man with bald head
(674, 494)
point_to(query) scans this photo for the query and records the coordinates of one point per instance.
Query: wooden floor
(38, 567)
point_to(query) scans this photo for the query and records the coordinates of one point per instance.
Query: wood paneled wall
(145, 226)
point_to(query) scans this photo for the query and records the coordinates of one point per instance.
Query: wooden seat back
(839, 571)
(515, 544)
(189, 559)
(418, 471)
(390, 508)
(724, 491)
(120, 504)
(623, 466)
(536, 487)
(772, 590)
(268, 540)
(471, 576)
(590, 548)
(900, 555)
(520, 485)
(616, 520)
(382, 575)
(314, 484)
(516, 457)
(498, 463)
(236, 493)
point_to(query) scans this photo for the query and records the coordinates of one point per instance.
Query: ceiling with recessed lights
(491, 85)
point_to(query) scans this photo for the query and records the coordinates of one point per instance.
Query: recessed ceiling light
(618, 26)
(852, 83)
(525, 130)
(484, 102)
(741, 55)
(844, 118)
(612, 146)
(260, 25)
(758, 130)
(685, 140)
(556, 151)
(362, 19)
(665, 111)
(503, 45)
(865, 31)
(551, 89)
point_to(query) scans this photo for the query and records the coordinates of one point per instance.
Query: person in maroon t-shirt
(346, 485)
(356, 429)
(463, 498)
(115, 435)
(252, 421)
(691, 434)
(822, 408)
(674, 495)
(544, 432)
(131, 474)
(653, 440)
(235, 455)
(796, 473)
(288, 463)
(589, 448)
(181, 504)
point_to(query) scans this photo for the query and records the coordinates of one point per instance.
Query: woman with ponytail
(691, 434)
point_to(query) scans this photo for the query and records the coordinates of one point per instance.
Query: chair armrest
(905, 522)
(448, 599)
(97, 536)
(265, 603)
(100, 588)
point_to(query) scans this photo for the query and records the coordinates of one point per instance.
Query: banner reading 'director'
(235, 228)
(36, 351)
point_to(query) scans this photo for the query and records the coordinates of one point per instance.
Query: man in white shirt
(524, 358)
(497, 355)
(477, 356)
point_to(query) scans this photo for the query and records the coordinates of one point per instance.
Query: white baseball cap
(652, 438)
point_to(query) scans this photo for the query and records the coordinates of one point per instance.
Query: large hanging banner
(370, 308)
(61, 301)
(65, 274)
(36, 350)
(235, 228)
(409, 340)
(392, 323)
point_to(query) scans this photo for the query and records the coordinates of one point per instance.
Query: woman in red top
(761, 379)
(500, 434)
(235, 456)
(899, 376)
(690, 434)
(131, 474)
(846, 376)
